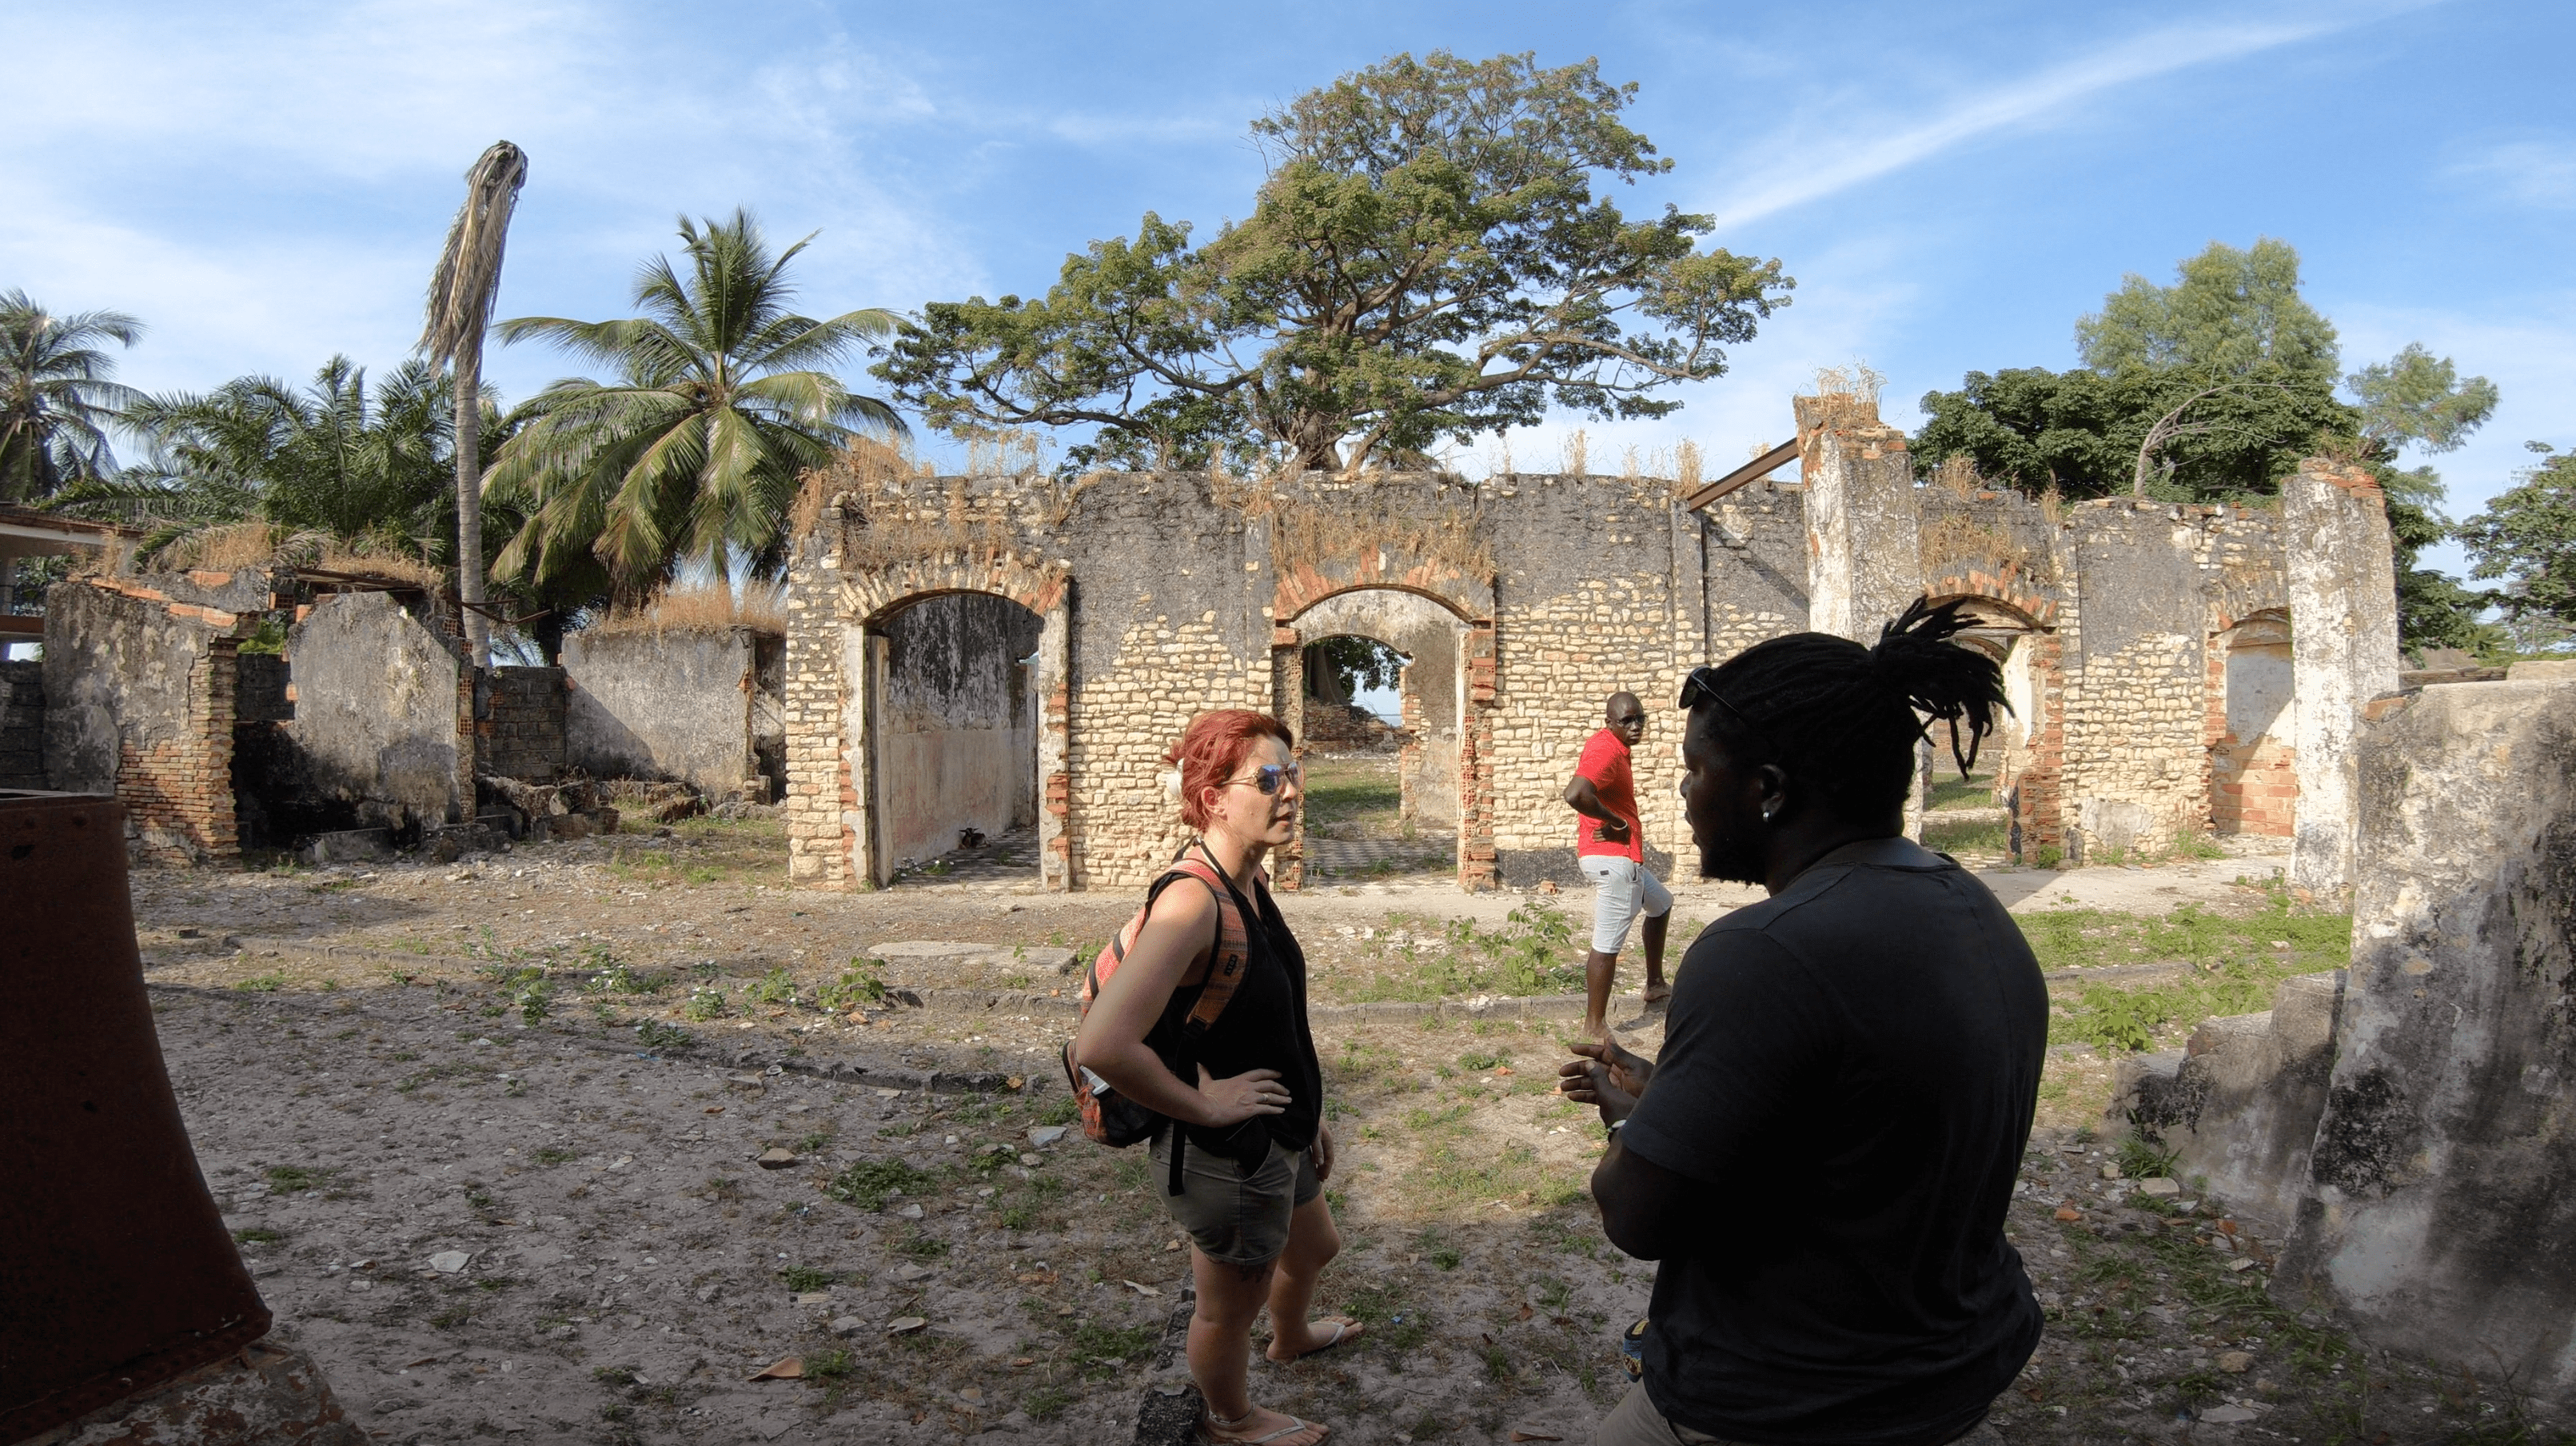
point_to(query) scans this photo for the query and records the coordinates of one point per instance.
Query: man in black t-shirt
(1821, 1157)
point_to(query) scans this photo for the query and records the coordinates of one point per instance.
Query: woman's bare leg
(1313, 1241)
(1220, 1348)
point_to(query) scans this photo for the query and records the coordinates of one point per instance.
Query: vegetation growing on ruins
(1425, 261)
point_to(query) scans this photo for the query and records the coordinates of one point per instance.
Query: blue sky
(1952, 186)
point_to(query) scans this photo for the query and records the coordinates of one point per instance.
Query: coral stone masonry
(2147, 643)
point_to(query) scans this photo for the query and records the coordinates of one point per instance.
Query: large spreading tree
(1425, 260)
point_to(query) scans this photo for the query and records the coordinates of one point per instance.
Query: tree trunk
(469, 509)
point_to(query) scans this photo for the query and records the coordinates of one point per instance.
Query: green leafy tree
(1426, 259)
(2526, 536)
(2229, 314)
(2415, 399)
(2087, 433)
(692, 455)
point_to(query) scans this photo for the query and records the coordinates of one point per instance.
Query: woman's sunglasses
(1269, 776)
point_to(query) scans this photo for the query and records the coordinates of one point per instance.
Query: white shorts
(1622, 889)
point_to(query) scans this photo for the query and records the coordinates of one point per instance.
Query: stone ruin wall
(1177, 593)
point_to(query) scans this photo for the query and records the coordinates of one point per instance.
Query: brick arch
(1469, 596)
(872, 596)
(2006, 590)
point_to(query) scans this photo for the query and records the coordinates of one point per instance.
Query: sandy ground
(490, 1204)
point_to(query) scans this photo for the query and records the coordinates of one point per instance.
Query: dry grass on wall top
(1956, 544)
(1310, 534)
(246, 545)
(884, 520)
(706, 608)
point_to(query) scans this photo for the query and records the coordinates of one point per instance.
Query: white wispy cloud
(1816, 163)
(2538, 173)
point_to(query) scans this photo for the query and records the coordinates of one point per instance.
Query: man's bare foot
(1320, 1335)
(1258, 1427)
(1657, 991)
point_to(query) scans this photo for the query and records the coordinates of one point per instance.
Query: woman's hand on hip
(1237, 1098)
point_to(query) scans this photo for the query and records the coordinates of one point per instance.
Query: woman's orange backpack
(1110, 1117)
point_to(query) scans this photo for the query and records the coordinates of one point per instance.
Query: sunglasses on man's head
(1701, 686)
(1269, 776)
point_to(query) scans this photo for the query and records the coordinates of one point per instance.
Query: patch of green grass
(870, 1183)
(2143, 1159)
(1966, 836)
(922, 1247)
(618, 977)
(705, 1003)
(805, 1278)
(808, 1144)
(268, 983)
(829, 1366)
(1100, 1351)
(288, 1179)
(256, 1235)
(654, 1034)
(1949, 790)
(554, 1155)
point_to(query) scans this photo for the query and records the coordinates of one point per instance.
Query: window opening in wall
(1379, 803)
(954, 771)
(2253, 775)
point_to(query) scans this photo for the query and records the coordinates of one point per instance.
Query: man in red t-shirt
(1609, 846)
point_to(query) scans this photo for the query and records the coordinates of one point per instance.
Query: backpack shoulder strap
(1228, 956)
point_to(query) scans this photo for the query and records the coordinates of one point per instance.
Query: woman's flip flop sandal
(1341, 1328)
(1209, 1435)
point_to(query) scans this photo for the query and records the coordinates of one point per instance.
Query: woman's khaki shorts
(1233, 1217)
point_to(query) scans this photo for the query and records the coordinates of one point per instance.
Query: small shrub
(619, 978)
(774, 987)
(705, 1003)
(829, 1366)
(861, 984)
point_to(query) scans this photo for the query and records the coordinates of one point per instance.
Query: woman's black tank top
(1263, 1027)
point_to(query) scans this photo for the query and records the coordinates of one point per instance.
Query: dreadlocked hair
(1844, 719)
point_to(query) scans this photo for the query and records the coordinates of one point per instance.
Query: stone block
(2443, 1185)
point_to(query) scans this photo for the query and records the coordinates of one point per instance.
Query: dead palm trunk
(460, 310)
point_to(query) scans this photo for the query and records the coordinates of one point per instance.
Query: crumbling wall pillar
(1864, 533)
(2444, 1187)
(2343, 652)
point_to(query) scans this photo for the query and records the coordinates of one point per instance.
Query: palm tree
(692, 455)
(56, 404)
(461, 292)
(326, 462)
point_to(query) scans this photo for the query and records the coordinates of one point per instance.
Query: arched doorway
(1385, 793)
(952, 725)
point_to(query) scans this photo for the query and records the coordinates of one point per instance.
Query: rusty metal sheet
(116, 1274)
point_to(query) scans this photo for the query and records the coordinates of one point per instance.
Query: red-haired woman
(1250, 1128)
